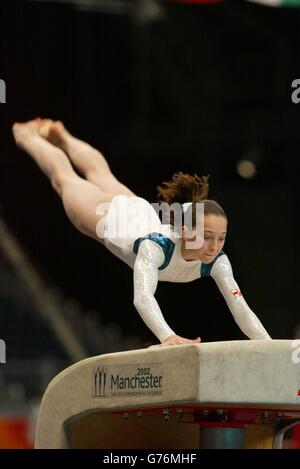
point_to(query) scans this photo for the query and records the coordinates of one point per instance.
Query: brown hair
(187, 188)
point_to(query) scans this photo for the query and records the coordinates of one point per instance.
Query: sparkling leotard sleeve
(145, 273)
(243, 315)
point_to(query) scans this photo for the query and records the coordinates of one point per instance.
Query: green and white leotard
(135, 234)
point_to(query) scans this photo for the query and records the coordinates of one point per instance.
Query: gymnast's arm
(243, 315)
(145, 274)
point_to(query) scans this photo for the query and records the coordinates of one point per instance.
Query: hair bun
(184, 188)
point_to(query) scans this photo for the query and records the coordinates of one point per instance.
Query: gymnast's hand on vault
(177, 340)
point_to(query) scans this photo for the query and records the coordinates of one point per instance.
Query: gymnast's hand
(177, 340)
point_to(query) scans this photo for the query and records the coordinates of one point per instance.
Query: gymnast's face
(215, 229)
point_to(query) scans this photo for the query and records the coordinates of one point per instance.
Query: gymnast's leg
(89, 161)
(80, 197)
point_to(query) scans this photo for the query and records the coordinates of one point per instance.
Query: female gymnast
(103, 208)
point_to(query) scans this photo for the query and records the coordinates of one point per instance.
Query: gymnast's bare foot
(54, 132)
(22, 131)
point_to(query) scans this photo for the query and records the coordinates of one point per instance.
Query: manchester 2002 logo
(127, 380)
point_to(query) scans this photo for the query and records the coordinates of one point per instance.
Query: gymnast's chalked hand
(177, 340)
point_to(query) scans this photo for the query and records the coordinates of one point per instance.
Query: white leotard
(135, 234)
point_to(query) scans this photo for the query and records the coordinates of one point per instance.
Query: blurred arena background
(158, 86)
